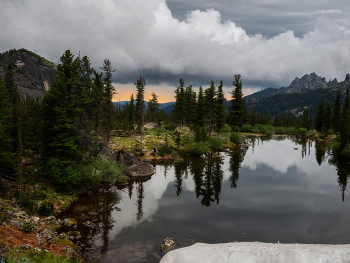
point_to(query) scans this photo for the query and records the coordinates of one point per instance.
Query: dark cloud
(209, 40)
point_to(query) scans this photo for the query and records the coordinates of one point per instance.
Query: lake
(279, 189)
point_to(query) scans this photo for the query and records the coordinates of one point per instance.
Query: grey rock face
(33, 75)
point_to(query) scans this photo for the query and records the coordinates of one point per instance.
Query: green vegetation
(28, 227)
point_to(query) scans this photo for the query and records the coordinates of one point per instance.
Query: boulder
(108, 154)
(183, 129)
(16, 222)
(69, 222)
(21, 215)
(167, 244)
(26, 247)
(50, 219)
(47, 234)
(151, 125)
(140, 169)
(126, 158)
(92, 213)
(89, 224)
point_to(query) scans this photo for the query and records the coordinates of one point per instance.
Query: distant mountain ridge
(34, 74)
(308, 91)
(168, 107)
(298, 85)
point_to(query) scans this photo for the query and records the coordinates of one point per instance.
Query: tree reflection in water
(236, 160)
(343, 173)
(140, 196)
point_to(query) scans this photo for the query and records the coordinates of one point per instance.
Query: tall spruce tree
(345, 124)
(237, 108)
(7, 154)
(131, 113)
(320, 117)
(140, 103)
(190, 104)
(337, 115)
(200, 118)
(179, 113)
(153, 106)
(220, 109)
(109, 92)
(210, 97)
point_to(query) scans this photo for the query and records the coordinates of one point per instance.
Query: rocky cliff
(34, 75)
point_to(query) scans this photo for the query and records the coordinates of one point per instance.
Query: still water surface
(279, 189)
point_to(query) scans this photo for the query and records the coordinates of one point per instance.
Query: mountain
(283, 102)
(306, 83)
(34, 74)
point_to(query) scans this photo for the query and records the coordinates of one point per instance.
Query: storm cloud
(196, 41)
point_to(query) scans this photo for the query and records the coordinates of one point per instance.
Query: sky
(267, 42)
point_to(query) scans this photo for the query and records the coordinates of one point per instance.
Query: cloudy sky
(268, 42)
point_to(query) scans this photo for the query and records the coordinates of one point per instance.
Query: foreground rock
(140, 170)
(151, 125)
(126, 158)
(249, 252)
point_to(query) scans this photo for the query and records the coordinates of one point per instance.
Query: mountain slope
(34, 75)
(294, 103)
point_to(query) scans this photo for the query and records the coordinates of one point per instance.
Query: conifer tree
(180, 106)
(237, 108)
(190, 104)
(328, 117)
(140, 103)
(97, 96)
(210, 97)
(153, 106)
(131, 113)
(109, 92)
(320, 116)
(200, 117)
(220, 109)
(7, 155)
(337, 115)
(345, 124)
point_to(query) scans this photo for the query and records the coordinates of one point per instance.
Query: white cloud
(143, 36)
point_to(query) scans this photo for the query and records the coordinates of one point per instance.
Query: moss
(65, 242)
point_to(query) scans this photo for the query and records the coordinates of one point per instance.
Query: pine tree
(153, 106)
(237, 108)
(337, 115)
(210, 97)
(200, 117)
(140, 103)
(190, 104)
(344, 131)
(220, 109)
(109, 92)
(97, 100)
(328, 117)
(320, 116)
(131, 113)
(179, 111)
(7, 155)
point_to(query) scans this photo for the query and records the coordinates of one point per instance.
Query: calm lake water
(280, 189)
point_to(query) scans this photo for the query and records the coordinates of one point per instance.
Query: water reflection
(236, 160)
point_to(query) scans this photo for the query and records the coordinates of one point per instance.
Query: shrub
(226, 128)
(46, 209)
(266, 129)
(346, 151)
(246, 128)
(236, 129)
(302, 131)
(28, 227)
(62, 175)
(336, 146)
(216, 143)
(200, 148)
(236, 137)
(201, 134)
(330, 132)
(164, 150)
(255, 130)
